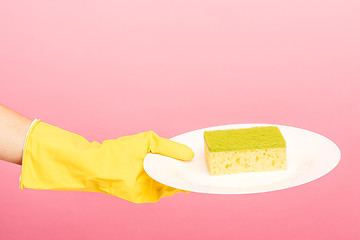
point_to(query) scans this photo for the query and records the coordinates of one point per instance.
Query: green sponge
(245, 138)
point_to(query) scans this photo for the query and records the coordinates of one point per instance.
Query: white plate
(309, 156)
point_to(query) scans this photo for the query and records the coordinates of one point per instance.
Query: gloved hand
(60, 160)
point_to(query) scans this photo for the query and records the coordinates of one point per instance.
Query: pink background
(105, 69)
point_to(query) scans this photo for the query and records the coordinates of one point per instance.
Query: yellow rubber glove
(60, 160)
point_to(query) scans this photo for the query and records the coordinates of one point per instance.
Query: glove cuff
(31, 128)
(27, 133)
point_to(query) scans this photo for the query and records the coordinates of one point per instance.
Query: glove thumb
(169, 148)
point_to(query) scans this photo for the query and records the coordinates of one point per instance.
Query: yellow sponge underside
(251, 160)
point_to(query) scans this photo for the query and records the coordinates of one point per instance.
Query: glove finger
(167, 191)
(169, 148)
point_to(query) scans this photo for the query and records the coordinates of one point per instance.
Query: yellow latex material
(60, 160)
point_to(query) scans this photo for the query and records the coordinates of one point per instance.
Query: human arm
(13, 129)
(56, 159)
